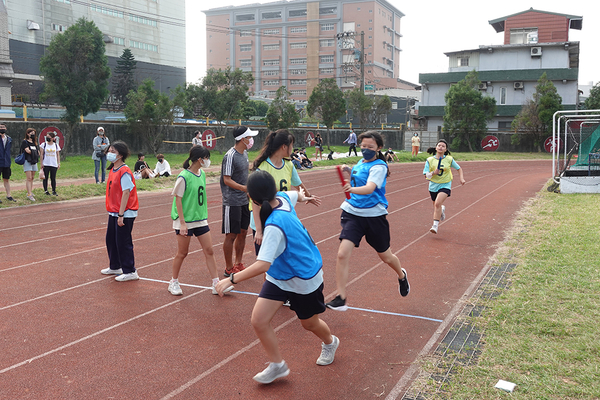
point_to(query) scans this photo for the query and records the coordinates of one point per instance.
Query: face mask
(3, 131)
(368, 154)
(112, 157)
(250, 143)
(206, 163)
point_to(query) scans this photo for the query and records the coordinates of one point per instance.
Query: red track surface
(69, 332)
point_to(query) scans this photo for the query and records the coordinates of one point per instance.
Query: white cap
(241, 133)
(100, 129)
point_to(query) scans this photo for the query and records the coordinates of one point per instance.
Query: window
(297, 72)
(119, 40)
(245, 33)
(270, 73)
(270, 31)
(519, 35)
(297, 82)
(504, 125)
(245, 63)
(271, 83)
(327, 42)
(244, 17)
(299, 45)
(326, 59)
(297, 13)
(271, 15)
(106, 11)
(144, 46)
(142, 20)
(64, 1)
(245, 47)
(59, 28)
(298, 92)
(327, 27)
(327, 10)
(502, 95)
(270, 63)
(298, 29)
(326, 71)
(271, 46)
(297, 61)
(463, 61)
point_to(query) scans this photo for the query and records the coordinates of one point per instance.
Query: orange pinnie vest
(114, 192)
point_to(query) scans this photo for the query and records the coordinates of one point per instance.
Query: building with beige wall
(297, 43)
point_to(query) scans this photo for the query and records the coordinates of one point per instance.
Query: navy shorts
(376, 230)
(304, 305)
(5, 172)
(235, 219)
(434, 194)
(199, 231)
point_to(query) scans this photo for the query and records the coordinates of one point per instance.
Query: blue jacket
(5, 159)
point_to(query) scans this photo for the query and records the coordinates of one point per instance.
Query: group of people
(142, 170)
(44, 157)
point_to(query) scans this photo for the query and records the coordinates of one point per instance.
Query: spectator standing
(50, 152)
(236, 214)
(416, 144)
(100, 144)
(31, 149)
(351, 140)
(318, 148)
(5, 160)
(197, 140)
(162, 167)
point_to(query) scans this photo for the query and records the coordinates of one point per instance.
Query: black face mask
(3, 131)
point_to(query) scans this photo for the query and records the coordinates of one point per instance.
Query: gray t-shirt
(235, 165)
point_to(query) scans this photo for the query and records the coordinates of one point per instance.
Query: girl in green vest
(438, 171)
(190, 215)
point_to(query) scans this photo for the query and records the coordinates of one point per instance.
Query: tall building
(154, 30)
(297, 43)
(535, 42)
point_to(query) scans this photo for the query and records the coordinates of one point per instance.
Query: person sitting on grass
(390, 156)
(162, 166)
(141, 170)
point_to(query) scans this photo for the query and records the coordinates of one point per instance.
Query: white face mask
(205, 163)
(111, 157)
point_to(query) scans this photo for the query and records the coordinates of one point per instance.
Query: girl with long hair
(29, 145)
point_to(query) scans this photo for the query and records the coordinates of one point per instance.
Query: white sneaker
(175, 289)
(433, 229)
(328, 352)
(214, 290)
(132, 276)
(443, 213)
(108, 271)
(271, 373)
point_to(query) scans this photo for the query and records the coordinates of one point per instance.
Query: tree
(361, 106)
(381, 106)
(282, 112)
(76, 71)
(149, 113)
(124, 78)
(534, 121)
(254, 108)
(467, 111)
(593, 100)
(327, 103)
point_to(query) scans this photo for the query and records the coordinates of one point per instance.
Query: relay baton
(341, 175)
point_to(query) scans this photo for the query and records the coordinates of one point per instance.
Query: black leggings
(50, 171)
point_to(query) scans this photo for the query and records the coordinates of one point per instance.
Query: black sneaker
(54, 194)
(47, 193)
(10, 198)
(337, 304)
(404, 285)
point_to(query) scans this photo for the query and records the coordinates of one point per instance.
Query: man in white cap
(236, 215)
(101, 144)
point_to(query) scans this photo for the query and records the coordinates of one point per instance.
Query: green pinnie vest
(194, 198)
(446, 175)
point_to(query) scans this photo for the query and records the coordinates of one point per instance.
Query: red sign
(209, 139)
(309, 139)
(59, 138)
(549, 145)
(490, 143)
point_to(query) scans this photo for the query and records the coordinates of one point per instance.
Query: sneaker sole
(176, 294)
(433, 231)
(405, 277)
(340, 308)
(266, 382)
(116, 272)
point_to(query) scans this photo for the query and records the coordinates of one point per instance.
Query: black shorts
(376, 230)
(5, 172)
(235, 219)
(199, 231)
(304, 305)
(434, 194)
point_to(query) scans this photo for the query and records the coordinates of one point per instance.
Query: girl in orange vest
(122, 206)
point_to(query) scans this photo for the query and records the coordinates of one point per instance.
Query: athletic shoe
(214, 290)
(271, 373)
(47, 193)
(10, 198)
(228, 273)
(443, 213)
(175, 289)
(337, 304)
(31, 198)
(433, 229)
(328, 352)
(108, 271)
(238, 268)
(54, 193)
(404, 285)
(132, 276)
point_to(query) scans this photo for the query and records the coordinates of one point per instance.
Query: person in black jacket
(31, 149)
(5, 160)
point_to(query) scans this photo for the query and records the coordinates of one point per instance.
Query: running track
(69, 332)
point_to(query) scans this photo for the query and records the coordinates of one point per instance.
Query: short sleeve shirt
(235, 165)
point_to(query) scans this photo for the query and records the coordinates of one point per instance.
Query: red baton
(341, 175)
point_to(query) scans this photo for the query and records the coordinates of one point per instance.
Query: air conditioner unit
(536, 51)
(482, 86)
(518, 85)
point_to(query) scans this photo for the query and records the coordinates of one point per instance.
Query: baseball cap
(240, 132)
(100, 129)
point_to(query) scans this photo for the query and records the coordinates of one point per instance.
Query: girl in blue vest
(294, 272)
(190, 215)
(437, 171)
(364, 214)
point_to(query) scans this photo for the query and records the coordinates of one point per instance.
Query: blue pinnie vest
(358, 177)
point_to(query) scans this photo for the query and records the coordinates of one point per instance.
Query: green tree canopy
(467, 111)
(593, 100)
(534, 121)
(361, 106)
(282, 112)
(149, 113)
(254, 108)
(327, 103)
(123, 80)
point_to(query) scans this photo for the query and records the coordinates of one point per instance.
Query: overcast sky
(431, 28)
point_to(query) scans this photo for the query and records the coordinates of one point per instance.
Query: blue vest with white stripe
(358, 177)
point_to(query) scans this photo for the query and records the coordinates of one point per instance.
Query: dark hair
(376, 136)
(238, 130)
(273, 142)
(159, 156)
(432, 150)
(262, 189)
(196, 153)
(140, 155)
(28, 131)
(121, 148)
(196, 133)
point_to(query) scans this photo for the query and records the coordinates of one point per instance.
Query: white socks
(436, 223)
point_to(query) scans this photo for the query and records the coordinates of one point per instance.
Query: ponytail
(273, 142)
(262, 189)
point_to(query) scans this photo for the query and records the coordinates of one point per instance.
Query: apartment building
(154, 30)
(298, 43)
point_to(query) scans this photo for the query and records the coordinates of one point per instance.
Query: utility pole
(362, 61)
